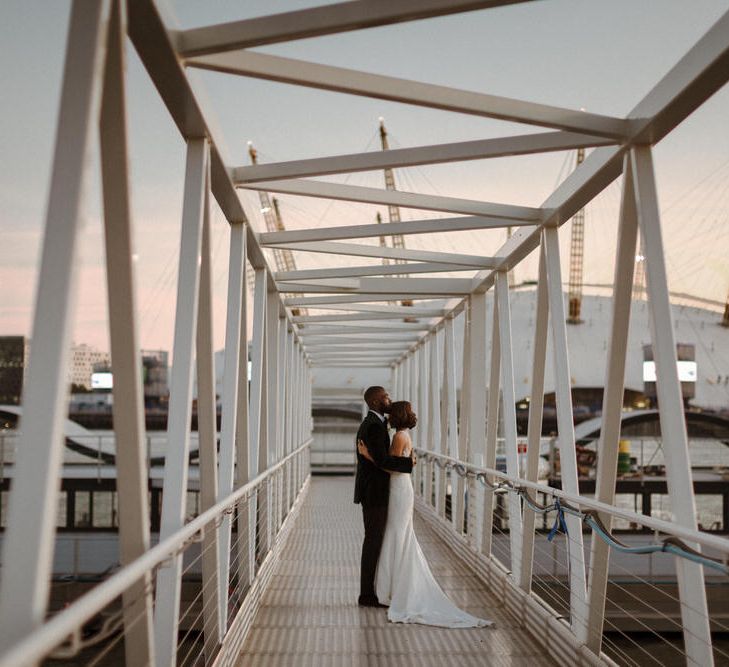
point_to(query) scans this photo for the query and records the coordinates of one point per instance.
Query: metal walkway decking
(309, 614)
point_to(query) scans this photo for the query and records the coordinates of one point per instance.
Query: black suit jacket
(372, 482)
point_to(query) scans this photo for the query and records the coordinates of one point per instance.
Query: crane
(393, 212)
(577, 249)
(282, 257)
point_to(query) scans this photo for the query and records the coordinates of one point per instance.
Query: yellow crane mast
(282, 257)
(393, 212)
(577, 250)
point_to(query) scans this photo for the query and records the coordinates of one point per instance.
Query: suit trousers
(375, 519)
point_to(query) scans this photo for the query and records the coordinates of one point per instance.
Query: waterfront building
(13, 362)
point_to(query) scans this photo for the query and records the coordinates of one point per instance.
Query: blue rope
(559, 522)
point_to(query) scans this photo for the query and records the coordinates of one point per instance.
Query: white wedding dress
(403, 579)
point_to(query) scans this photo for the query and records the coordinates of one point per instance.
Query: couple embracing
(395, 573)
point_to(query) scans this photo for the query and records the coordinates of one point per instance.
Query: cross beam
(341, 80)
(523, 144)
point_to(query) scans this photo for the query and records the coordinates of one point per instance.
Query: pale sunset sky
(601, 56)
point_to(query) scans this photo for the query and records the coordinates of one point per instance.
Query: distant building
(13, 363)
(155, 376)
(84, 360)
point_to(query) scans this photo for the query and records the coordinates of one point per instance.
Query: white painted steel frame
(476, 429)
(230, 403)
(534, 429)
(523, 144)
(509, 419)
(318, 21)
(612, 402)
(341, 80)
(492, 427)
(174, 489)
(702, 71)
(128, 407)
(207, 435)
(565, 428)
(427, 226)
(691, 584)
(28, 541)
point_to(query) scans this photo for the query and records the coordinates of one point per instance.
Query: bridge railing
(250, 472)
(261, 512)
(530, 568)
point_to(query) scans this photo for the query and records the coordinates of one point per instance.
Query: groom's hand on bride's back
(363, 451)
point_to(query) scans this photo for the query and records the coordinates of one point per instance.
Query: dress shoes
(370, 602)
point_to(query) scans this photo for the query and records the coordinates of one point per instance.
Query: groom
(372, 486)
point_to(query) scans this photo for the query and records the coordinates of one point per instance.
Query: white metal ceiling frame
(697, 75)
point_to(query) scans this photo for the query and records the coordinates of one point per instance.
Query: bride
(404, 580)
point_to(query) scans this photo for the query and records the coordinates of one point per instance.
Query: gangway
(201, 590)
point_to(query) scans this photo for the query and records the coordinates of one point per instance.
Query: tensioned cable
(669, 544)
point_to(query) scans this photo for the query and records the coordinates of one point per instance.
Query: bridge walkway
(309, 614)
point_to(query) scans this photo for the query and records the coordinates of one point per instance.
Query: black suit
(372, 490)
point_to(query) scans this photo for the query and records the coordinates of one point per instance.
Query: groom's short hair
(372, 393)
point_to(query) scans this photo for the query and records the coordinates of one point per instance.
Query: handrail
(709, 540)
(35, 646)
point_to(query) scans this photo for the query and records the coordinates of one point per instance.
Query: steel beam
(523, 144)
(358, 193)
(427, 226)
(690, 575)
(359, 250)
(509, 420)
(318, 21)
(128, 407)
(208, 448)
(28, 540)
(405, 268)
(230, 402)
(534, 429)
(566, 429)
(353, 82)
(167, 601)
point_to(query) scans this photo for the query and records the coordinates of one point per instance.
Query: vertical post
(272, 413)
(242, 441)
(691, 584)
(434, 471)
(607, 458)
(287, 418)
(449, 423)
(565, 428)
(509, 401)
(477, 411)
(257, 421)
(207, 428)
(128, 408)
(459, 504)
(284, 378)
(492, 429)
(28, 541)
(536, 405)
(174, 490)
(413, 398)
(230, 404)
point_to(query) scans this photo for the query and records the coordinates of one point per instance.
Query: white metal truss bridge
(256, 482)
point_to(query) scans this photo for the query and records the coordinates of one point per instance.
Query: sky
(603, 57)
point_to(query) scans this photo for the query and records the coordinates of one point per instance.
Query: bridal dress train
(404, 580)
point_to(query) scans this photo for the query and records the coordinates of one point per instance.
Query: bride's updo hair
(402, 415)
